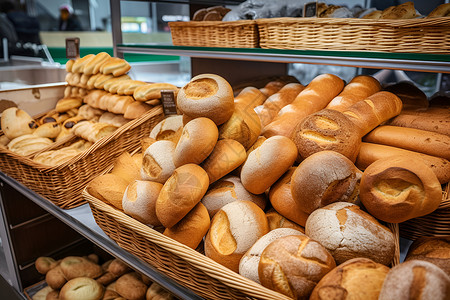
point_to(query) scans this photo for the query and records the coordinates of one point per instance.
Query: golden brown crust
(130, 286)
(432, 249)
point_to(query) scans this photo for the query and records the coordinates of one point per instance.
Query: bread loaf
(101, 80)
(424, 120)
(278, 221)
(69, 65)
(81, 288)
(412, 97)
(115, 66)
(191, 229)
(116, 120)
(93, 65)
(181, 192)
(76, 266)
(108, 188)
(348, 232)
(197, 141)
(80, 63)
(370, 152)
(402, 11)
(168, 129)
(272, 87)
(265, 165)
(324, 178)
(153, 91)
(234, 229)
(139, 201)
(293, 265)
(359, 88)
(313, 98)
(433, 249)
(248, 265)
(157, 163)
(66, 104)
(442, 10)
(207, 95)
(28, 144)
(16, 122)
(157, 292)
(127, 87)
(90, 84)
(89, 113)
(415, 279)
(93, 98)
(250, 97)
(136, 109)
(111, 85)
(346, 281)
(93, 131)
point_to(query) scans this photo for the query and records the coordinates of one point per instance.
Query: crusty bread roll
(152, 91)
(374, 15)
(118, 267)
(136, 109)
(66, 104)
(168, 129)
(192, 228)
(55, 278)
(250, 97)
(323, 178)
(370, 153)
(267, 163)
(416, 279)
(234, 229)
(442, 10)
(346, 281)
(126, 167)
(93, 66)
(226, 190)
(412, 97)
(226, 156)
(255, 145)
(278, 221)
(280, 197)
(399, 188)
(197, 141)
(80, 63)
(130, 286)
(16, 122)
(48, 130)
(89, 113)
(92, 131)
(139, 201)
(77, 266)
(348, 232)
(81, 288)
(313, 98)
(157, 162)
(402, 11)
(207, 95)
(425, 120)
(116, 120)
(44, 264)
(181, 192)
(115, 66)
(293, 265)
(157, 292)
(359, 88)
(434, 249)
(327, 130)
(248, 265)
(120, 105)
(243, 126)
(28, 144)
(272, 87)
(108, 188)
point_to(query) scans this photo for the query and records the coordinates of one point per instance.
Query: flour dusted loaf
(157, 163)
(168, 129)
(108, 188)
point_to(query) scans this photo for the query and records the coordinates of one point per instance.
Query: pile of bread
(84, 278)
(315, 173)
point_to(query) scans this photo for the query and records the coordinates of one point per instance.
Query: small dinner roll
(168, 129)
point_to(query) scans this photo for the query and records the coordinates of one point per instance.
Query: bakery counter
(81, 220)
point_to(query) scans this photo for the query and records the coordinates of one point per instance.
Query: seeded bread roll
(234, 229)
(346, 281)
(248, 265)
(433, 249)
(416, 279)
(16, 122)
(348, 232)
(265, 165)
(139, 201)
(157, 163)
(197, 141)
(293, 265)
(168, 129)
(108, 188)
(207, 95)
(399, 188)
(181, 192)
(226, 190)
(192, 228)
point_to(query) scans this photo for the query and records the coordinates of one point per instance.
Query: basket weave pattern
(406, 36)
(63, 184)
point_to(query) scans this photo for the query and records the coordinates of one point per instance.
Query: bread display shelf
(63, 183)
(188, 267)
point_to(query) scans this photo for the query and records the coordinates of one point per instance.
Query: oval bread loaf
(157, 163)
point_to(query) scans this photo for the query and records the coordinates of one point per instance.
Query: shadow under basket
(186, 266)
(63, 184)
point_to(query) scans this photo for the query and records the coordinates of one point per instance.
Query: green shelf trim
(327, 53)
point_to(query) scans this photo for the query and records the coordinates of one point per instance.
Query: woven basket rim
(211, 23)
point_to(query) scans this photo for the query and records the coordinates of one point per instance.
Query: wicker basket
(233, 34)
(63, 184)
(435, 224)
(179, 262)
(349, 34)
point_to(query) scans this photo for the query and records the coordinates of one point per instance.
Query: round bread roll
(55, 278)
(399, 188)
(226, 156)
(348, 232)
(234, 229)
(267, 163)
(192, 228)
(207, 95)
(248, 265)
(108, 188)
(42, 293)
(44, 264)
(327, 129)
(358, 278)
(323, 178)
(139, 201)
(226, 190)
(81, 288)
(168, 129)
(416, 279)
(131, 287)
(197, 141)
(280, 197)
(293, 265)
(435, 249)
(278, 221)
(16, 122)
(118, 267)
(76, 266)
(157, 163)
(181, 192)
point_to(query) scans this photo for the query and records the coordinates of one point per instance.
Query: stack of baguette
(295, 201)
(84, 278)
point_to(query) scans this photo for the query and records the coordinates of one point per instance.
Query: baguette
(424, 120)
(417, 140)
(250, 97)
(272, 87)
(369, 153)
(152, 91)
(313, 98)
